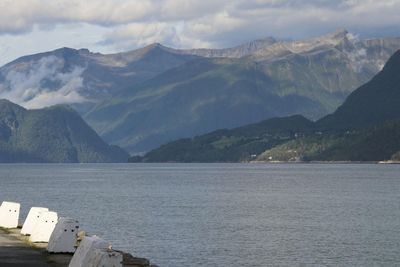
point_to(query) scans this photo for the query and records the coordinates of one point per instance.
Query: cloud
(233, 22)
(141, 34)
(129, 24)
(42, 83)
(20, 16)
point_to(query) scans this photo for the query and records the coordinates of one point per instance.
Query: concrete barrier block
(31, 220)
(9, 214)
(44, 226)
(86, 249)
(105, 257)
(63, 238)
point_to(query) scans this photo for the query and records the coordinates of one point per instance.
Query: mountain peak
(4, 101)
(9, 104)
(156, 46)
(65, 50)
(62, 107)
(338, 34)
(328, 40)
(332, 38)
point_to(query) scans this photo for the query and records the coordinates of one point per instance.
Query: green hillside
(373, 144)
(207, 94)
(230, 88)
(196, 98)
(240, 144)
(365, 128)
(55, 134)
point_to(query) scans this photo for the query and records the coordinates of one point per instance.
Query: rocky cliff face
(233, 52)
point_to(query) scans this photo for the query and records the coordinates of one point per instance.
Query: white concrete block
(106, 258)
(86, 251)
(63, 238)
(31, 220)
(44, 226)
(9, 214)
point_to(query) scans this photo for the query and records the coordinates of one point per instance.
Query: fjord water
(225, 214)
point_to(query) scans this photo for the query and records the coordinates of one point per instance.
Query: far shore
(326, 162)
(222, 162)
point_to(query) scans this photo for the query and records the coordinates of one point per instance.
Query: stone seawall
(46, 239)
(17, 251)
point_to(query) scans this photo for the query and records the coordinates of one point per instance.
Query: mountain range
(56, 135)
(366, 127)
(144, 98)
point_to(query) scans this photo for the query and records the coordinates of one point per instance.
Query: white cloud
(20, 16)
(141, 34)
(128, 24)
(42, 83)
(232, 22)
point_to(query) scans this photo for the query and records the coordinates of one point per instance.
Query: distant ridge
(234, 52)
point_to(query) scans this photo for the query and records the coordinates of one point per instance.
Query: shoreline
(389, 162)
(324, 162)
(17, 251)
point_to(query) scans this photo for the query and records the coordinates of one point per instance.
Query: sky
(108, 26)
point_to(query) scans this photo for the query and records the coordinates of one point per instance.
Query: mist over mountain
(146, 97)
(69, 76)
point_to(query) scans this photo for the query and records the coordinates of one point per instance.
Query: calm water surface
(225, 214)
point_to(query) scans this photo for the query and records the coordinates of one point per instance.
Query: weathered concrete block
(44, 226)
(63, 238)
(84, 254)
(9, 214)
(105, 257)
(31, 220)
